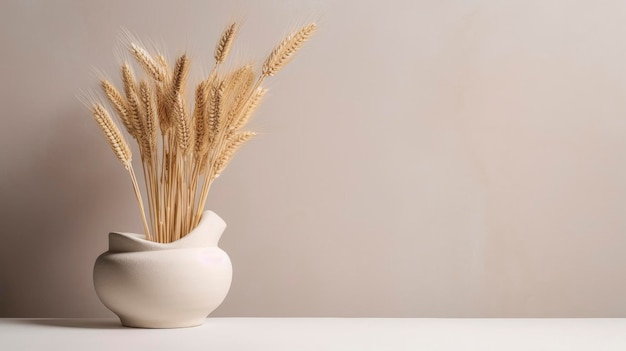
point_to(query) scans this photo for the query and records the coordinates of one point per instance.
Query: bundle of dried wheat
(193, 147)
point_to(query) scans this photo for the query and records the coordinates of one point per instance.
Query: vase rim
(206, 233)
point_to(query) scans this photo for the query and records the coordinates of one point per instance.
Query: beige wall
(420, 158)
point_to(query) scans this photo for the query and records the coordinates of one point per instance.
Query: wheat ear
(163, 107)
(113, 135)
(249, 110)
(237, 89)
(181, 69)
(183, 135)
(163, 62)
(149, 106)
(147, 62)
(162, 96)
(284, 52)
(200, 120)
(133, 101)
(215, 108)
(238, 77)
(229, 151)
(118, 102)
(121, 149)
(224, 44)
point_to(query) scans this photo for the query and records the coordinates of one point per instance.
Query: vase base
(135, 323)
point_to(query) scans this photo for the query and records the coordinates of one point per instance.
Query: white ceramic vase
(175, 285)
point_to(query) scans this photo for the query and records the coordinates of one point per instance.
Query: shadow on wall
(50, 195)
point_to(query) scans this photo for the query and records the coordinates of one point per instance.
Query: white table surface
(298, 334)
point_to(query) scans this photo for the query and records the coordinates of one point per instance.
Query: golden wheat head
(216, 98)
(249, 110)
(142, 56)
(224, 44)
(113, 135)
(200, 121)
(232, 146)
(150, 118)
(181, 70)
(284, 52)
(134, 108)
(118, 102)
(183, 132)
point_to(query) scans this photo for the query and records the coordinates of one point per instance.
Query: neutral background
(419, 158)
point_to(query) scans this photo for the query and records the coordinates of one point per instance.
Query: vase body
(175, 285)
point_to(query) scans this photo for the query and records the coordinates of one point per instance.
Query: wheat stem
(138, 195)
